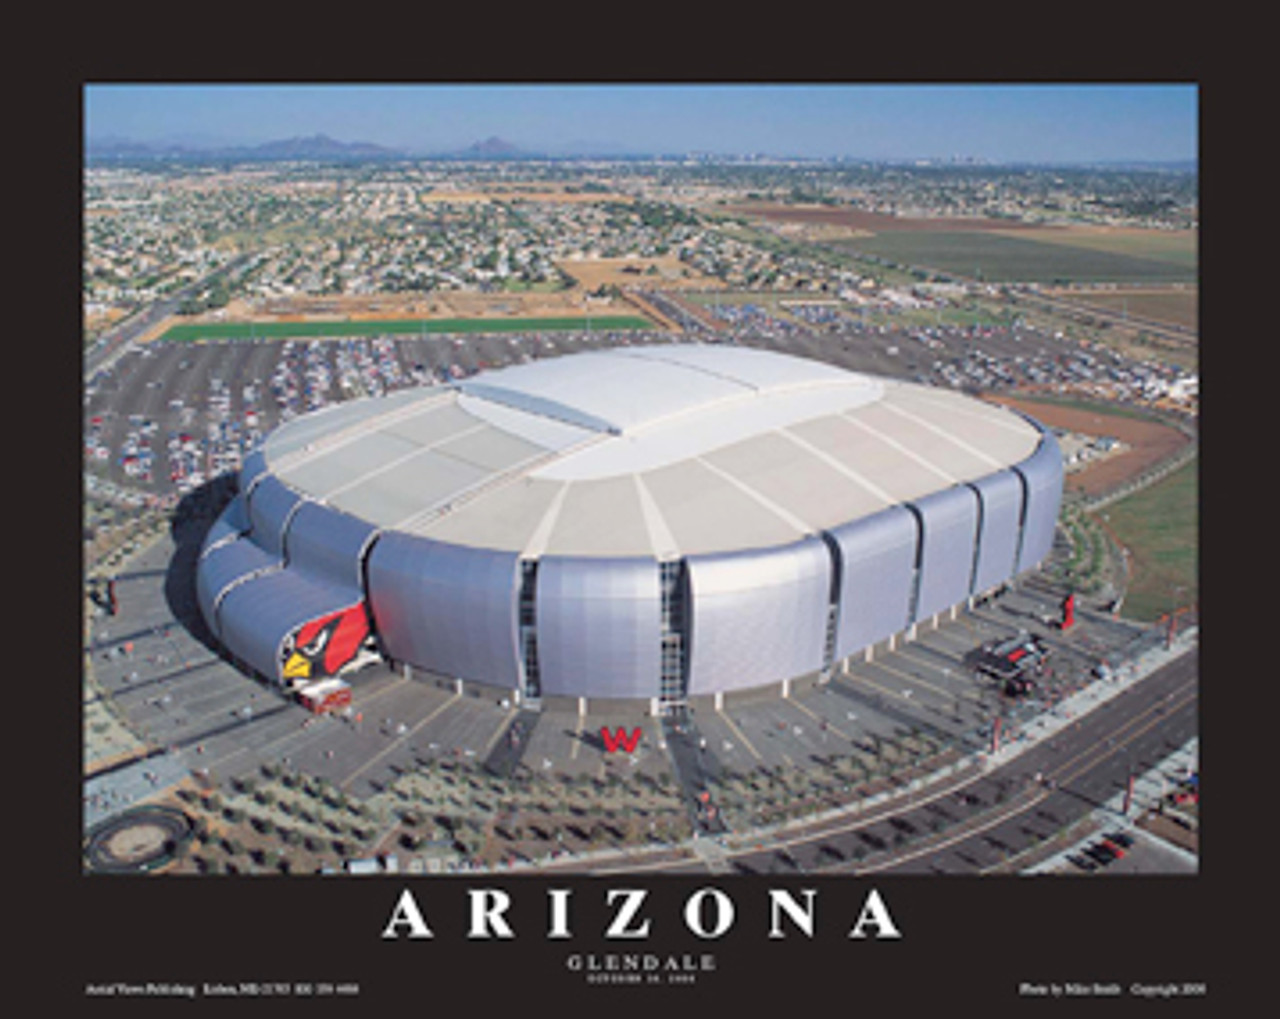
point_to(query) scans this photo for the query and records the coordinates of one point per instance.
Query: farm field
(864, 221)
(999, 257)
(1179, 307)
(383, 327)
(1178, 246)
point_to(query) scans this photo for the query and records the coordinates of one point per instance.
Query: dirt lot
(1172, 831)
(454, 304)
(1148, 442)
(671, 274)
(102, 319)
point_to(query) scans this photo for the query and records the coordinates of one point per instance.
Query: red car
(1115, 848)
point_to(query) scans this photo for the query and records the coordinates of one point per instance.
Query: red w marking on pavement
(612, 740)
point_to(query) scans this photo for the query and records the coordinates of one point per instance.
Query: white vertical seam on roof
(904, 450)
(417, 451)
(537, 543)
(357, 430)
(763, 500)
(506, 476)
(844, 469)
(998, 415)
(660, 537)
(985, 457)
(450, 502)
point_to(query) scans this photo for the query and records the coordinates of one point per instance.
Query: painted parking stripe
(916, 681)
(502, 725)
(397, 743)
(739, 733)
(820, 719)
(857, 679)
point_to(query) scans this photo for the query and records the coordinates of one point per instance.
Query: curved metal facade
(223, 568)
(877, 563)
(948, 536)
(1000, 504)
(261, 584)
(599, 627)
(280, 565)
(1042, 476)
(230, 525)
(254, 467)
(256, 617)
(327, 543)
(446, 608)
(759, 616)
(271, 503)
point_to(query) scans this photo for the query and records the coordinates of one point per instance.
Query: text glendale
(488, 907)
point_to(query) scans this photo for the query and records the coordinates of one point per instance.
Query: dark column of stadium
(509, 750)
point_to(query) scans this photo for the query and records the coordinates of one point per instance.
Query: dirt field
(450, 304)
(1169, 829)
(671, 273)
(1179, 306)
(102, 319)
(1148, 442)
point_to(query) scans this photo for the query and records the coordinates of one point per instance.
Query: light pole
(1173, 614)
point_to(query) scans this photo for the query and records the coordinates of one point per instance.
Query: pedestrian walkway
(114, 791)
(711, 852)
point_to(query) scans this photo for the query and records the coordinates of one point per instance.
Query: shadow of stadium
(189, 523)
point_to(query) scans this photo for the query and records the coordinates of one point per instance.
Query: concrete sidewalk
(1067, 711)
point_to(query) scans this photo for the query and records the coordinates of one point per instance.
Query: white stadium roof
(638, 451)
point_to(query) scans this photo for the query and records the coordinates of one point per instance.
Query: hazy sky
(999, 123)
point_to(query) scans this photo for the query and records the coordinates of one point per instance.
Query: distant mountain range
(318, 147)
(315, 147)
(322, 148)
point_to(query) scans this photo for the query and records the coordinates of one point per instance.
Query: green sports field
(397, 327)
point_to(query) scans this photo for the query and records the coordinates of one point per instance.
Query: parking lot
(168, 415)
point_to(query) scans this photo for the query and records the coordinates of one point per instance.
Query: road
(1080, 769)
(976, 826)
(117, 339)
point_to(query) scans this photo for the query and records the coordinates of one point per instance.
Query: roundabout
(137, 841)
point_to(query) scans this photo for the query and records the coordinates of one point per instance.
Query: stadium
(649, 524)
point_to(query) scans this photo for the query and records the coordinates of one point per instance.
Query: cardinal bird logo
(325, 645)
